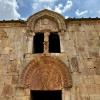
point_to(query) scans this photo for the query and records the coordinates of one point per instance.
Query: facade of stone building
(48, 53)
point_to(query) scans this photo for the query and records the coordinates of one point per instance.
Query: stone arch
(46, 73)
(59, 19)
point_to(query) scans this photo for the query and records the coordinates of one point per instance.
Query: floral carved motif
(46, 73)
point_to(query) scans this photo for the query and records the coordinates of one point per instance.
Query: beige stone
(79, 57)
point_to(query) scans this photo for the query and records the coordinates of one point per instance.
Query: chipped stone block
(7, 90)
(14, 79)
(97, 79)
(97, 66)
(74, 64)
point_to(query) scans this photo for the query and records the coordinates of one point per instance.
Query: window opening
(38, 43)
(54, 43)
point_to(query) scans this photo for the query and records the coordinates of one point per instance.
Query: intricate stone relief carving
(46, 73)
(46, 19)
(45, 24)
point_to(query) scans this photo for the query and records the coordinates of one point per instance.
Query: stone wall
(82, 46)
(80, 52)
(12, 49)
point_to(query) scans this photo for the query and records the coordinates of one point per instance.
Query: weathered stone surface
(46, 73)
(7, 91)
(74, 64)
(97, 66)
(80, 53)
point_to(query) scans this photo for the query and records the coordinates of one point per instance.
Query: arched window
(54, 43)
(38, 43)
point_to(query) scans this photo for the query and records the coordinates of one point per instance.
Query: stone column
(46, 42)
(22, 94)
(67, 94)
(30, 43)
(61, 41)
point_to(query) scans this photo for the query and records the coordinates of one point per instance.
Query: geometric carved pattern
(53, 16)
(46, 73)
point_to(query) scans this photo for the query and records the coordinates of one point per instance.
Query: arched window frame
(57, 18)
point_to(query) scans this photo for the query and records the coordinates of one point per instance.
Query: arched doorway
(46, 95)
(46, 75)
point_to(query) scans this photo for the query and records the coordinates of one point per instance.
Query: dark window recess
(54, 43)
(46, 95)
(38, 43)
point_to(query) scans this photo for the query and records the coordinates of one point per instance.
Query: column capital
(62, 32)
(46, 33)
(33, 33)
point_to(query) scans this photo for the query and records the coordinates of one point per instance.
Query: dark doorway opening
(46, 95)
(38, 43)
(54, 43)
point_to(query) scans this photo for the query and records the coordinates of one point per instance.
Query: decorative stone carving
(3, 34)
(12, 68)
(45, 19)
(45, 24)
(46, 73)
(4, 42)
(74, 63)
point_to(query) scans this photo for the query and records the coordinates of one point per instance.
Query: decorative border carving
(46, 73)
(48, 14)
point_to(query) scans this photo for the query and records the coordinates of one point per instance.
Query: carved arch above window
(45, 24)
(46, 18)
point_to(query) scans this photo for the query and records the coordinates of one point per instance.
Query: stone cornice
(22, 23)
(13, 23)
(82, 20)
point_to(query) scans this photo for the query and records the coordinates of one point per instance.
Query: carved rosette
(46, 73)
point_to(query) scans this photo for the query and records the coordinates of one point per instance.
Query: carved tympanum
(45, 24)
(46, 19)
(46, 73)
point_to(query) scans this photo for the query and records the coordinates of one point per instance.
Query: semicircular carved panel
(46, 73)
(59, 19)
(43, 24)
